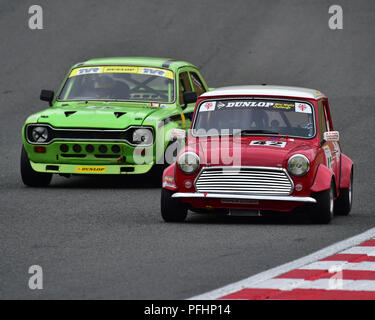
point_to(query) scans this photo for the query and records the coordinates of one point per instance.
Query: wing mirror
(189, 97)
(332, 136)
(47, 95)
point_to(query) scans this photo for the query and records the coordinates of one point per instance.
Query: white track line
(370, 251)
(340, 265)
(296, 264)
(290, 284)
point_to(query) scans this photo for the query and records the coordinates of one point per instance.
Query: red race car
(258, 149)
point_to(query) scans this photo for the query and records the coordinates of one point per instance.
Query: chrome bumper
(242, 197)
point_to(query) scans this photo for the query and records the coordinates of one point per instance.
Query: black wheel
(322, 211)
(30, 177)
(172, 209)
(343, 203)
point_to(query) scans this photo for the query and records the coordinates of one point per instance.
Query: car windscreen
(254, 117)
(122, 83)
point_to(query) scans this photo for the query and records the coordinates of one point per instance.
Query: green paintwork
(137, 114)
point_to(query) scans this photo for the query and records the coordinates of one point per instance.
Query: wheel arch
(323, 179)
(347, 168)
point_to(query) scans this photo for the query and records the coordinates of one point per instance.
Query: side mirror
(47, 95)
(332, 136)
(189, 97)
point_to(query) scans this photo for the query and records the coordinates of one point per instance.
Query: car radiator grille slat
(244, 180)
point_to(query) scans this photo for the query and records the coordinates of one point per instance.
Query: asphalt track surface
(103, 237)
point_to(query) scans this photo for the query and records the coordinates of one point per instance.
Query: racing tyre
(343, 203)
(172, 209)
(322, 211)
(30, 177)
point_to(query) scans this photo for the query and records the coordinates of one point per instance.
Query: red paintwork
(323, 179)
(317, 179)
(346, 168)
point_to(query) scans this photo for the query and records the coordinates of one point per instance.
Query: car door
(331, 149)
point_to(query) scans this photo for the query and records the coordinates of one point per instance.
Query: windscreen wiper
(249, 132)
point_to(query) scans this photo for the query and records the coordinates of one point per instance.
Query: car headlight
(39, 134)
(298, 165)
(142, 136)
(188, 162)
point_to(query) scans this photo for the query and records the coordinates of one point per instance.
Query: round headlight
(298, 165)
(188, 162)
(39, 134)
(142, 136)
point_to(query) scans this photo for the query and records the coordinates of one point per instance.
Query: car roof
(266, 90)
(137, 61)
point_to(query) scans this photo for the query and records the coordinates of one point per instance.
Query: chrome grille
(244, 180)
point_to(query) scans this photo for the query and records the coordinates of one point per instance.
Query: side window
(322, 119)
(198, 86)
(328, 125)
(184, 84)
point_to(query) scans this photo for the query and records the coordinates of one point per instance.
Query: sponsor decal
(122, 69)
(169, 179)
(280, 144)
(154, 105)
(163, 106)
(90, 169)
(328, 154)
(270, 105)
(285, 106)
(208, 106)
(169, 182)
(331, 136)
(81, 71)
(244, 104)
(153, 71)
(157, 72)
(178, 133)
(303, 107)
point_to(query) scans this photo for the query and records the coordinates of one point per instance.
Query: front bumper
(90, 168)
(197, 195)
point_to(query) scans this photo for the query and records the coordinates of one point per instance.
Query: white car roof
(265, 90)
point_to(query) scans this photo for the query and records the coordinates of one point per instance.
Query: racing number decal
(280, 144)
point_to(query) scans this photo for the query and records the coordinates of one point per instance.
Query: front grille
(81, 134)
(244, 180)
(125, 135)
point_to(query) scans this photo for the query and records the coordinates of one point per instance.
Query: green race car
(111, 116)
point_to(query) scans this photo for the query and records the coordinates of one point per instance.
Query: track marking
(237, 290)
